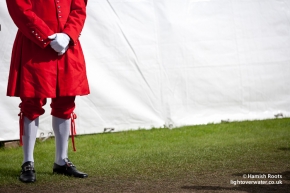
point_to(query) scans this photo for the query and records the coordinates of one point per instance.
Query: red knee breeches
(61, 107)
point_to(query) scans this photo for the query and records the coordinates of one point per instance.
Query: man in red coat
(47, 62)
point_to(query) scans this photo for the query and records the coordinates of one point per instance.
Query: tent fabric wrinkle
(168, 63)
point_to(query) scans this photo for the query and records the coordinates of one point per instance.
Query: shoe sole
(27, 181)
(66, 174)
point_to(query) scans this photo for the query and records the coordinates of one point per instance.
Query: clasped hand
(59, 42)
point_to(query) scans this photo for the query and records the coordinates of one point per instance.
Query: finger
(52, 37)
(61, 52)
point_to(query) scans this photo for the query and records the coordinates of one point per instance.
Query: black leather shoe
(27, 173)
(68, 169)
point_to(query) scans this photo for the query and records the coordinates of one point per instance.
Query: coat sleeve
(76, 20)
(28, 22)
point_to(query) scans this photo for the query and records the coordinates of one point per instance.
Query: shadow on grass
(251, 188)
(8, 173)
(284, 148)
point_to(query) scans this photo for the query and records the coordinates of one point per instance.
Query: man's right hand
(59, 42)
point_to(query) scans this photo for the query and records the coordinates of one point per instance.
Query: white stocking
(61, 128)
(29, 137)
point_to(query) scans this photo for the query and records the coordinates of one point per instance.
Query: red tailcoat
(36, 69)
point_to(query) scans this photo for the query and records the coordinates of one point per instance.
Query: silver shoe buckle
(27, 168)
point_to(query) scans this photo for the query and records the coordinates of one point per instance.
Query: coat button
(44, 43)
(32, 32)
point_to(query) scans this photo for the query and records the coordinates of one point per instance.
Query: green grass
(249, 146)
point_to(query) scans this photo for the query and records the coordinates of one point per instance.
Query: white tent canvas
(152, 63)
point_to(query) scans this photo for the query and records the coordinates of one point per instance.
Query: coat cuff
(73, 38)
(40, 36)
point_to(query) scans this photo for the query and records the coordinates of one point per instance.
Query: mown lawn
(146, 160)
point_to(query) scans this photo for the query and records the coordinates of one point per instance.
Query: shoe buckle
(27, 168)
(68, 163)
